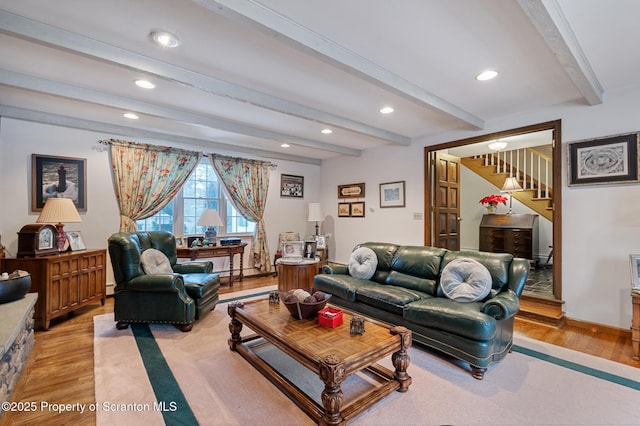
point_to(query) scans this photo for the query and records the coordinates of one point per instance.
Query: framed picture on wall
(392, 194)
(351, 190)
(344, 209)
(61, 177)
(292, 186)
(613, 159)
(357, 209)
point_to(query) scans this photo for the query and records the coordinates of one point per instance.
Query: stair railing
(531, 168)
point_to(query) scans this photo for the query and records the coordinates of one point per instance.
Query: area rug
(158, 375)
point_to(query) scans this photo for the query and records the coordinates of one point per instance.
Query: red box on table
(330, 317)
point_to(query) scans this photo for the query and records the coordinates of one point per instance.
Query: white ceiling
(250, 75)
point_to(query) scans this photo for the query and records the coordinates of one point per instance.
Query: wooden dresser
(64, 282)
(510, 233)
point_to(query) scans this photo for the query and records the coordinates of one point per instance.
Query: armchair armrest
(172, 283)
(504, 305)
(194, 267)
(335, 269)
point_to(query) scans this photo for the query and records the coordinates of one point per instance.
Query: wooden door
(446, 201)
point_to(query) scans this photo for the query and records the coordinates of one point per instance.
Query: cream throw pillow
(363, 263)
(155, 262)
(465, 280)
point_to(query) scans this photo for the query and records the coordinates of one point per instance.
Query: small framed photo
(179, 242)
(357, 209)
(613, 159)
(292, 249)
(291, 186)
(76, 243)
(344, 209)
(310, 249)
(321, 240)
(61, 177)
(634, 260)
(392, 194)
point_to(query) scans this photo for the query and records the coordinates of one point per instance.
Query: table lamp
(57, 211)
(315, 214)
(210, 218)
(510, 186)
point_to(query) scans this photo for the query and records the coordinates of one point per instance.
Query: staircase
(532, 169)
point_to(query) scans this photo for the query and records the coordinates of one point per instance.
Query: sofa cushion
(342, 286)
(498, 265)
(387, 297)
(155, 262)
(465, 280)
(462, 319)
(363, 263)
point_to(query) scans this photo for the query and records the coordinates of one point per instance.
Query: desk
(635, 325)
(194, 253)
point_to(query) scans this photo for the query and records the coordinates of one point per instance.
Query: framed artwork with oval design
(613, 159)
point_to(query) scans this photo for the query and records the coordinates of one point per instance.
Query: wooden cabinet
(64, 282)
(510, 233)
(294, 275)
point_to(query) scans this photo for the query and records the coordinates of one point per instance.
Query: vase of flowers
(491, 202)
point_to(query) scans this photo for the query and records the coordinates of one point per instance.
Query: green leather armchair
(179, 298)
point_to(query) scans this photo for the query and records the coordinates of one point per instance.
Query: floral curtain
(247, 184)
(147, 177)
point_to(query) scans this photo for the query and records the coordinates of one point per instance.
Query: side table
(635, 325)
(296, 274)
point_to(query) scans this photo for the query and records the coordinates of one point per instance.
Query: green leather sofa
(405, 290)
(180, 297)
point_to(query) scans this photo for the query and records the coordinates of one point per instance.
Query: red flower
(494, 200)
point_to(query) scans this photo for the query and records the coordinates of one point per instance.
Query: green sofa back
(419, 267)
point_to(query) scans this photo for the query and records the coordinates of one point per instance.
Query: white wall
(600, 227)
(19, 139)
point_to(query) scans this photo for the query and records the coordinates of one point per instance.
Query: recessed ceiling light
(285, 145)
(164, 38)
(130, 116)
(145, 84)
(386, 110)
(326, 131)
(497, 145)
(486, 75)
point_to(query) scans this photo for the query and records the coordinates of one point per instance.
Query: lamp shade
(210, 217)
(511, 185)
(315, 212)
(59, 210)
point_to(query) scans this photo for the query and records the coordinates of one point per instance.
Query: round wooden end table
(294, 274)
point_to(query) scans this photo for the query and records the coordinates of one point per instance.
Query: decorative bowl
(14, 288)
(301, 310)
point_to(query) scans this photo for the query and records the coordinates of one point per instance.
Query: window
(201, 191)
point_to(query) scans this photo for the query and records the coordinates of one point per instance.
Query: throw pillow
(465, 280)
(363, 263)
(155, 262)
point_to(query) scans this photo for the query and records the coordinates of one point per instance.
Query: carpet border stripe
(622, 381)
(164, 384)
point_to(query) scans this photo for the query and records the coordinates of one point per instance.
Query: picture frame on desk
(76, 242)
(310, 248)
(634, 263)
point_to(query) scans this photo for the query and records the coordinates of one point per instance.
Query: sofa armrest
(194, 267)
(171, 283)
(504, 305)
(335, 269)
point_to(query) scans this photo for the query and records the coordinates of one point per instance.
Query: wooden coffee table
(333, 354)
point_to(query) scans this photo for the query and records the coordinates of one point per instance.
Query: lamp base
(61, 238)
(210, 235)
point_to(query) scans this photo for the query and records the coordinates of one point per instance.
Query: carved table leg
(401, 358)
(235, 326)
(478, 372)
(332, 374)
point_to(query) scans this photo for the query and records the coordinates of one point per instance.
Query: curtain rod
(267, 163)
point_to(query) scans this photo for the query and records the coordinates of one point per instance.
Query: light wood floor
(60, 367)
